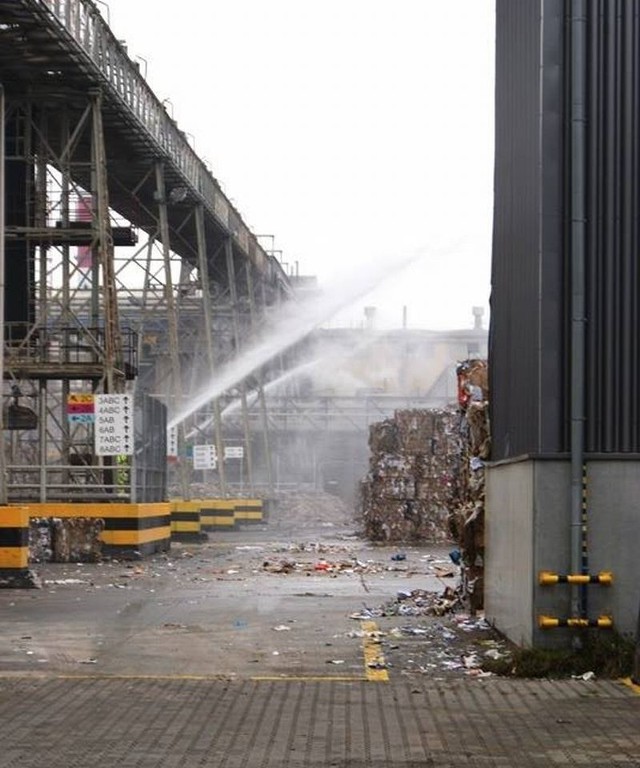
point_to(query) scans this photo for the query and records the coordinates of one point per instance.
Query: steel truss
(133, 318)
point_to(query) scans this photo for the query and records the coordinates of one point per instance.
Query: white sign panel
(172, 441)
(204, 457)
(113, 425)
(233, 452)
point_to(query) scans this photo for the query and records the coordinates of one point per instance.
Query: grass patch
(606, 653)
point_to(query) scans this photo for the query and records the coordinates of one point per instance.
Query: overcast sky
(354, 131)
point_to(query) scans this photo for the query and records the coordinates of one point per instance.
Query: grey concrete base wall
(613, 498)
(528, 529)
(509, 550)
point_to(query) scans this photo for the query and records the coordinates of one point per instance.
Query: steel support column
(231, 276)
(172, 319)
(208, 330)
(260, 375)
(114, 363)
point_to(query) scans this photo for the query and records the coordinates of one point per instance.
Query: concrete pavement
(206, 658)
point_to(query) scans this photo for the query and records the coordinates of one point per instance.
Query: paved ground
(267, 648)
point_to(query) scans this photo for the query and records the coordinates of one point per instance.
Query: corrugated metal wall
(612, 229)
(530, 323)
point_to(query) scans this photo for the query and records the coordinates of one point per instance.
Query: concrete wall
(509, 550)
(614, 535)
(528, 517)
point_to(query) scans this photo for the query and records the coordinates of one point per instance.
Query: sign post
(113, 425)
(204, 457)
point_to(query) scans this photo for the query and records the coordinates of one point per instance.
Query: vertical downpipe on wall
(579, 562)
(3, 478)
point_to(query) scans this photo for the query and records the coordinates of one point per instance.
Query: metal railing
(25, 342)
(81, 19)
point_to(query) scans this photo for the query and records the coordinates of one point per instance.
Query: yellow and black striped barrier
(248, 511)
(547, 578)
(186, 522)
(217, 515)
(130, 530)
(228, 514)
(551, 622)
(14, 547)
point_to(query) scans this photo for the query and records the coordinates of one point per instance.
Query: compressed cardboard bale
(40, 545)
(383, 437)
(416, 431)
(408, 490)
(473, 381)
(402, 487)
(392, 465)
(77, 539)
(478, 421)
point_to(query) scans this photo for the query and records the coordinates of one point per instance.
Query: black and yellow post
(584, 545)
(248, 511)
(14, 548)
(186, 521)
(217, 514)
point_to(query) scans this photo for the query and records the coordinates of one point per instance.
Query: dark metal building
(564, 352)
(530, 344)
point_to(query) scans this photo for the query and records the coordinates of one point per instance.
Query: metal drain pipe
(635, 675)
(3, 479)
(579, 560)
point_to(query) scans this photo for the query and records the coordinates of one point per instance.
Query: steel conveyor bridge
(125, 266)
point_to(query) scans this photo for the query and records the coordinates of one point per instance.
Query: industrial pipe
(575, 622)
(579, 555)
(635, 675)
(546, 578)
(3, 479)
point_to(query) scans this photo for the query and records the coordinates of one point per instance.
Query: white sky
(354, 131)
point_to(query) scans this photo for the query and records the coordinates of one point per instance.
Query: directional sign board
(81, 407)
(114, 425)
(204, 457)
(172, 441)
(233, 452)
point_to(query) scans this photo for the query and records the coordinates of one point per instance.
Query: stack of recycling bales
(411, 485)
(467, 515)
(68, 540)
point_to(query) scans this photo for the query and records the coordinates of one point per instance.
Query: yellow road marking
(374, 663)
(629, 682)
(312, 679)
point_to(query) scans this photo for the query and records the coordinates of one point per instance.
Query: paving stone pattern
(184, 723)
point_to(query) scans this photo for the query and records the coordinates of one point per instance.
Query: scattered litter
(281, 628)
(444, 573)
(240, 624)
(586, 676)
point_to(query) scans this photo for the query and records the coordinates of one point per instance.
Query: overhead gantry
(126, 267)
